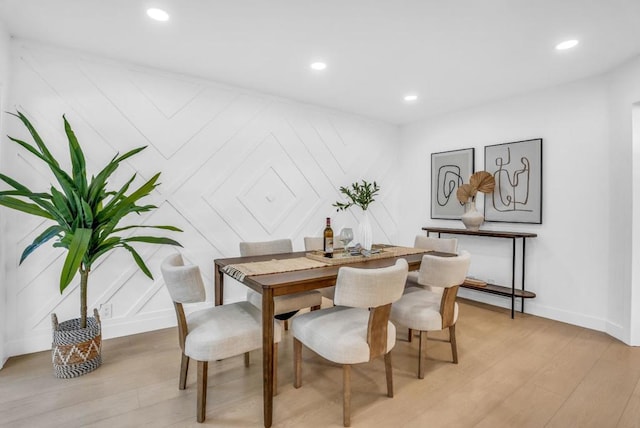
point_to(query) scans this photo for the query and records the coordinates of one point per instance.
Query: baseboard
(534, 308)
(617, 331)
(111, 328)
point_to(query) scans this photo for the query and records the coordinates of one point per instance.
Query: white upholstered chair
(357, 330)
(314, 243)
(213, 333)
(426, 310)
(284, 307)
(444, 245)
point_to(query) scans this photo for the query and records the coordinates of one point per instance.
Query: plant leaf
(87, 214)
(103, 247)
(172, 228)
(62, 205)
(77, 251)
(96, 188)
(465, 193)
(25, 207)
(117, 197)
(66, 183)
(45, 236)
(483, 182)
(78, 163)
(13, 183)
(152, 240)
(36, 137)
(143, 267)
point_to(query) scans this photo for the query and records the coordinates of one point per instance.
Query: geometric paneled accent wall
(236, 165)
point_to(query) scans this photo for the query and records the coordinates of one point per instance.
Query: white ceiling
(452, 53)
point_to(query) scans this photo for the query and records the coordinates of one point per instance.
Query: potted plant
(86, 218)
(482, 182)
(361, 195)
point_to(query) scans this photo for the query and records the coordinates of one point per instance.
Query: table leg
(267, 354)
(218, 278)
(522, 300)
(513, 277)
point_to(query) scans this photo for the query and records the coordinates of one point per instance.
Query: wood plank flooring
(527, 372)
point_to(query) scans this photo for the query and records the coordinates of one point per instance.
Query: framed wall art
(517, 168)
(448, 171)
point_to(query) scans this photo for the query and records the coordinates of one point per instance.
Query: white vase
(472, 218)
(365, 235)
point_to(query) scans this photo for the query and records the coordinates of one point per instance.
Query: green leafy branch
(361, 195)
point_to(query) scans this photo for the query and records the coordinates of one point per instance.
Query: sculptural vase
(365, 234)
(472, 218)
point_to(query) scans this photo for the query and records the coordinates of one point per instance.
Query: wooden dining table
(280, 284)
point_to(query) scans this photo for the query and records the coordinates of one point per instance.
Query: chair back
(370, 288)
(444, 245)
(313, 243)
(444, 272)
(262, 248)
(183, 282)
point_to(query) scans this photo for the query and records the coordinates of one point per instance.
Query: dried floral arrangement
(481, 181)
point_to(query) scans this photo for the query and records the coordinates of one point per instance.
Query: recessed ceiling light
(410, 97)
(318, 65)
(158, 14)
(567, 44)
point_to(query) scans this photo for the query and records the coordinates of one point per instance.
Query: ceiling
(453, 54)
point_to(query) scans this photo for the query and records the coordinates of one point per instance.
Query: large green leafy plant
(86, 215)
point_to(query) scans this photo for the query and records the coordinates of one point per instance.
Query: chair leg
(454, 346)
(410, 335)
(389, 371)
(247, 359)
(275, 369)
(297, 363)
(346, 397)
(423, 343)
(286, 325)
(184, 368)
(202, 390)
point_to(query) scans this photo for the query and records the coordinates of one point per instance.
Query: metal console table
(512, 291)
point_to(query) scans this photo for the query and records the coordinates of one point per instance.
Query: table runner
(240, 270)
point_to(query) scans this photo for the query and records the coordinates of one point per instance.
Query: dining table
(275, 284)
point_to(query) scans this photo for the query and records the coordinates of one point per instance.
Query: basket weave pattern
(76, 351)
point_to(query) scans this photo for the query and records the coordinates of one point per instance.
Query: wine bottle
(328, 239)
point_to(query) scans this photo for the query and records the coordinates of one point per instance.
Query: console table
(512, 291)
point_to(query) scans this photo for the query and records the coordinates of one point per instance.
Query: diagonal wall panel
(235, 166)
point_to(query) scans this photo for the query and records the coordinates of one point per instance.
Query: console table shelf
(512, 291)
(501, 290)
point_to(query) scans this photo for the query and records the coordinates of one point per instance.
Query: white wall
(568, 263)
(236, 165)
(4, 77)
(266, 167)
(624, 279)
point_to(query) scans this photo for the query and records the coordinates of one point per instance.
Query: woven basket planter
(76, 351)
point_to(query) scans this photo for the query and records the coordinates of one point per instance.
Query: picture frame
(449, 170)
(517, 168)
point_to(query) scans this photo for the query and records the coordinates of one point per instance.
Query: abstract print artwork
(517, 168)
(449, 170)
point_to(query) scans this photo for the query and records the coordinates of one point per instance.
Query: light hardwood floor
(527, 372)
